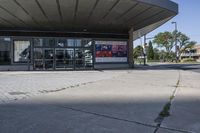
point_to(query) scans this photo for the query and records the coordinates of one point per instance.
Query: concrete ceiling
(102, 16)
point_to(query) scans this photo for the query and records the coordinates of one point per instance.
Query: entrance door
(60, 60)
(64, 58)
(38, 59)
(49, 59)
(69, 58)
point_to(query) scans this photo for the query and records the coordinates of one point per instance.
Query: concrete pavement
(20, 85)
(186, 106)
(120, 101)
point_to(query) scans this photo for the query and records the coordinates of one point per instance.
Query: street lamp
(175, 37)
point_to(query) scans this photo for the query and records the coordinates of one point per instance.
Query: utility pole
(175, 37)
(144, 50)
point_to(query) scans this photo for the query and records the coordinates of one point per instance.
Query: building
(194, 53)
(76, 34)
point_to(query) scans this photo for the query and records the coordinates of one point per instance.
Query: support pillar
(130, 49)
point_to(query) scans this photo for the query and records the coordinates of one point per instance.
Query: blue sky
(188, 20)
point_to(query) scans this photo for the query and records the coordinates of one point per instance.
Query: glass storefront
(5, 51)
(62, 54)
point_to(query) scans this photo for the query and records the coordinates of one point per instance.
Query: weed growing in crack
(165, 112)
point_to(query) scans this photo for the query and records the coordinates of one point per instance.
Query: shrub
(188, 60)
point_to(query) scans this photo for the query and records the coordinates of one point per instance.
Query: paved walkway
(20, 85)
(127, 101)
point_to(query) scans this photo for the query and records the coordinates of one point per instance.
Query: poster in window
(21, 51)
(111, 51)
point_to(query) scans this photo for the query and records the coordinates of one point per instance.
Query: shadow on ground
(90, 117)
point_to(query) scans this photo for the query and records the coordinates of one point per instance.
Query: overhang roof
(98, 16)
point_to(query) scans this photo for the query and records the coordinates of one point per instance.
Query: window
(83, 43)
(78, 42)
(61, 43)
(70, 42)
(38, 42)
(5, 44)
(21, 51)
(86, 43)
(49, 42)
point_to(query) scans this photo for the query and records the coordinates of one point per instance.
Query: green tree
(156, 54)
(164, 40)
(183, 43)
(138, 51)
(150, 51)
(167, 40)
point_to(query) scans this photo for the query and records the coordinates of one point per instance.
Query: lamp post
(175, 37)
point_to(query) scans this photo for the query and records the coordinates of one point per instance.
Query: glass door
(69, 58)
(49, 59)
(38, 59)
(60, 60)
(64, 58)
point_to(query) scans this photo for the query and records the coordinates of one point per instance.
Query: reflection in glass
(60, 64)
(79, 60)
(69, 53)
(49, 42)
(48, 64)
(61, 43)
(78, 42)
(69, 56)
(60, 54)
(88, 58)
(38, 64)
(48, 54)
(70, 42)
(5, 45)
(38, 53)
(63, 54)
(83, 58)
(60, 59)
(86, 43)
(64, 58)
(38, 42)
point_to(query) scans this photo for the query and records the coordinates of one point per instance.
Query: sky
(188, 21)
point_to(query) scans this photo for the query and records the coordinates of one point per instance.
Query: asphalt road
(186, 67)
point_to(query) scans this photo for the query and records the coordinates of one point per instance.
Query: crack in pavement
(158, 126)
(64, 88)
(122, 119)
(166, 109)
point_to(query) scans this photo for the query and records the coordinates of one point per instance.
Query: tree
(167, 40)
(138, 51)
(150, 51)
(164, 40)
(183, 43)
(156, 54)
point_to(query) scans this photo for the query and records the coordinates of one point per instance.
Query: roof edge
(167, 4)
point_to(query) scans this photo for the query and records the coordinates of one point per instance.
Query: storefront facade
(76, 34)
(60, 53)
